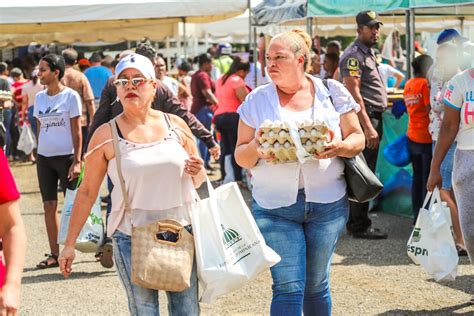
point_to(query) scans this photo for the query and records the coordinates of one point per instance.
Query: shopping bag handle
(432, 196)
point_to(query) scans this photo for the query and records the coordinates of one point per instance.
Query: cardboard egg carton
(5, 95)
(275, 139)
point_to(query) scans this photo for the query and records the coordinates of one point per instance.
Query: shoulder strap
(325, 83)
(168, 121)
(118, 161)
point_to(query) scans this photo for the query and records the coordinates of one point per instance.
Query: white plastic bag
(431, 243)
(230, 250)
(27, 141)
(92, 234)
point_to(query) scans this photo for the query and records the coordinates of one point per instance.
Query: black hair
(421, 64)
(96, 57)
(332, 57)
(334, 44)
(55, 62)
(237, 64)
(70, 56)
(3, 67)
(204, 59)
(146, 49)
(185, 66)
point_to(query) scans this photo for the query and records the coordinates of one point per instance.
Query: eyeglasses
(136, 82)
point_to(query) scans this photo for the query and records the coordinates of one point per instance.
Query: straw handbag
(157, 263)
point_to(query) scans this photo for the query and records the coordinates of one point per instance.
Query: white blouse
(276, 185)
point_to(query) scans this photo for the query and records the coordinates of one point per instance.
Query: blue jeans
(304, 235)
(7, 121)
(447, 167)
(32, 119)
(143, 301)
(420, 155)
(204, 115)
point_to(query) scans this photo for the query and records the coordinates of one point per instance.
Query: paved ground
(368, 277)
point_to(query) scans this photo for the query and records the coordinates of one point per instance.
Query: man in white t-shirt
(386, 71)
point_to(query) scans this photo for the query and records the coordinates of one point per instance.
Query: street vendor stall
(50, 21)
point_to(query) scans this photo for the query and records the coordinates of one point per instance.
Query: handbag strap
(118, 162)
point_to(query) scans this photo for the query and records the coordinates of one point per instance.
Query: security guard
(358, 67)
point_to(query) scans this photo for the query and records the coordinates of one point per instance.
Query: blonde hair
(300, 42)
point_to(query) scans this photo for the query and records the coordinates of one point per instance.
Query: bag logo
(230, 237)
(416, 236)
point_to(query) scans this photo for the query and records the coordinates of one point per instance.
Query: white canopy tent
(107, 20)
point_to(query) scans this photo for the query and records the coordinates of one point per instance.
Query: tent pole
(309, 26)
(168, 58)
(461, 20)
(410, 39)
(249, 6)
(185, 41)
(255, 55)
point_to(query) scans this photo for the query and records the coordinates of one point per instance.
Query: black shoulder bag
(362, 184)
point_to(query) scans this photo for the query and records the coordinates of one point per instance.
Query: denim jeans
(7, 122)
(420, 155)
(204, 115)
(32, 119)
(143, 301)
(227, 124)
(304, 235)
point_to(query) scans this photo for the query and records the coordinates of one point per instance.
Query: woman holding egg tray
(300, 208)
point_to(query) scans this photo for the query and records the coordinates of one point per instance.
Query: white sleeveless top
(155, 181)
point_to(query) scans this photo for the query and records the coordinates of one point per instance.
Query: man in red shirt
(202, 89)
(12, 233)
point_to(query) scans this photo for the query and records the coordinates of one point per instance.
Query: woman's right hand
(257, 144)
(66, 258)
(434, 179)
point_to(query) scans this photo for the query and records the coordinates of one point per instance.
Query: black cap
(369, 18)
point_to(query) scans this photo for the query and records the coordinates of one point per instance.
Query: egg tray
(5, 95)
(275, 140)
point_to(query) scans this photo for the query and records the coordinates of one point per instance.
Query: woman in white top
(160, 168)
(300, 208)
(58, 113)
(458, 125)
(446, 66)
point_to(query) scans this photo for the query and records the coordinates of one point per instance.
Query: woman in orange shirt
(417, 100)
(231, 91)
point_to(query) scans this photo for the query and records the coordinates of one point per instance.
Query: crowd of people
(153, 136)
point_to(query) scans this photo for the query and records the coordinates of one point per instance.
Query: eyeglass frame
(121, 82)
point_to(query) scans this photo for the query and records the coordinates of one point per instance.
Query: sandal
(462, 252)
(48, 263)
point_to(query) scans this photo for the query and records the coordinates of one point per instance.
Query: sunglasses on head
(136, 82)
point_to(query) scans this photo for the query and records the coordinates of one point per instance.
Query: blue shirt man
(97, 75)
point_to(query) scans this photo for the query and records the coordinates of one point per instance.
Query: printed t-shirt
(200, 81)
(460, 96)
(97, 76)
(30, 89)
(54, 113)
(78, 82)
(225, 94)
(8, 189)
(417, 100)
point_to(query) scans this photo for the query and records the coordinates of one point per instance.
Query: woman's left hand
(193, 165)
(74, 170)
(334, 149)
